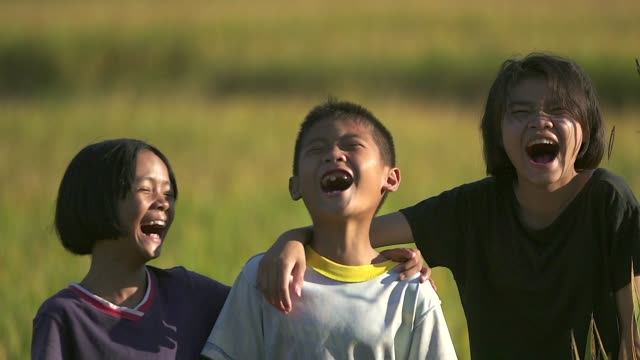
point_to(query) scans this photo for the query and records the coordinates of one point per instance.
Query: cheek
(129, 210)
(508, 137)
(574, 134)
(172, 212)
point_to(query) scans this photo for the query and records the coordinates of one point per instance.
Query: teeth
(156, 222)
(541, 141)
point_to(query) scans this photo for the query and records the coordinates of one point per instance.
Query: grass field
(221, 87)
(232, 158)
(216, 47)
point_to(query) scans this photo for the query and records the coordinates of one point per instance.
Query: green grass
(416, 48)
(221, 87)
(232, 157)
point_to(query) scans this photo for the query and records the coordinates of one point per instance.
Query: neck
(115, 280)
(345, 243)
(541, 206)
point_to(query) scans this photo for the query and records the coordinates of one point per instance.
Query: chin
(545, 180)
(156, 253)
(151, 254)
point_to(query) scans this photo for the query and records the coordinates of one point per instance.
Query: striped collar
(123, 312)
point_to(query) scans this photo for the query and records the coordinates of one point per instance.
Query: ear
(294, 188)
(392, 183)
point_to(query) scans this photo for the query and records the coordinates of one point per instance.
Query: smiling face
(541, 138)
(341, 172)
(147, 211)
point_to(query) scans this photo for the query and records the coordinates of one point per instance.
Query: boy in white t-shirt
(354, 306)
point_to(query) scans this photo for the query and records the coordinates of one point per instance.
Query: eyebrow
(151, 178)
(345, 136)
(520, 103)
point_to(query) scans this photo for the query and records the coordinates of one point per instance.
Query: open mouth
(542, 151)
(336, 181)
(155, 228)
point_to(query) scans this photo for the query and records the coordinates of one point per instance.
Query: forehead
(149, 165)
(332, 128)
(531, 90)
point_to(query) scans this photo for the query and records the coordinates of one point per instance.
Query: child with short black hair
(540, 247)
(116, 202)
(354, 305)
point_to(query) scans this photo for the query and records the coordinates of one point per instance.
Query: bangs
(568, 94)
(566, 91)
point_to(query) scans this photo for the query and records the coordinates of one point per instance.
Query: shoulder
(475, 191)
(466, 196)
(180, 276)
(428, 297)
(59, 306)
(250, 270)
(420, 295)
(611, 184)
(608, 192)
(481, 186)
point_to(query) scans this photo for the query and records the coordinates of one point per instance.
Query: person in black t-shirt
(538, 249)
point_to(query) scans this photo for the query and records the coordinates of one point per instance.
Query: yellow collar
(345, 273)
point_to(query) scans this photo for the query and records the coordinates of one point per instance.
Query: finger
(283, 283)
(404, 257)
(411, 268)
(298, 279)
(398, 254)
(426, 275)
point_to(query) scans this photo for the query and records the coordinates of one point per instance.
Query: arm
(629, 339)
(286, 258)
(390, 229)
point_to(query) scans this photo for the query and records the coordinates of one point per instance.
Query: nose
(335, 154)
(541, 120)
(162, 201)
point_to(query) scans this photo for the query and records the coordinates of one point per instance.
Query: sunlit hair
(569, 86)
(333, 109)
(96, 180)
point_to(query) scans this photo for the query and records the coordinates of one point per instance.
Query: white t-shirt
(345, 312)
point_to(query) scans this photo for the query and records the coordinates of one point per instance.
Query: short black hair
(572, 88)
(97, 178)
(334, 109)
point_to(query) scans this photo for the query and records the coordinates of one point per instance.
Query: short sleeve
(624, 213)
(47, 339)
(435, 227)
(430, 338)
(238, 332)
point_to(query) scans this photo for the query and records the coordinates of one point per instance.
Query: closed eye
(313, 150)
(559, 111)
(354, 146)
(520, 111)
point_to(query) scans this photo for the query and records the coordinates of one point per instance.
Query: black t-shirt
(524, 292)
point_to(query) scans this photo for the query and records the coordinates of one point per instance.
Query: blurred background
(221, 88)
